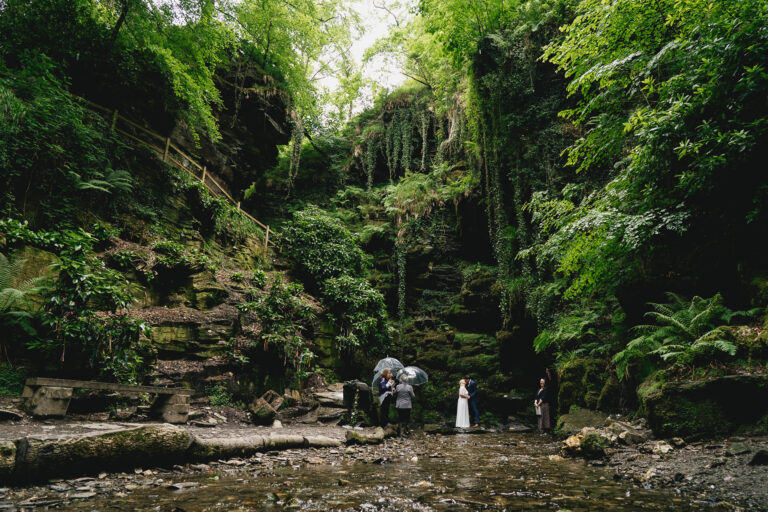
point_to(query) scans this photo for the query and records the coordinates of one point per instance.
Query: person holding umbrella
(385, 396)
(403, 403)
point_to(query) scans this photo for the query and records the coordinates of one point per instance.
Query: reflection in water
(468, 472)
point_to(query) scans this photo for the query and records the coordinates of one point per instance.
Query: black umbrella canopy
(413, 375)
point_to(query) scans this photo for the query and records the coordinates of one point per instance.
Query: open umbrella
(388, 363)
(413, 375)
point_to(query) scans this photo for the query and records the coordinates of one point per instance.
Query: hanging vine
(425, 119)
(406, 139)
(370, 161)
(297, 137)
(400, 247)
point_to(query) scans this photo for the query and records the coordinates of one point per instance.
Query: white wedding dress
(462, 409)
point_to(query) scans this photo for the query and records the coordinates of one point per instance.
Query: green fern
(683, 332)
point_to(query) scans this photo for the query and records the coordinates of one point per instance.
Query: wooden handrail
(165, 155)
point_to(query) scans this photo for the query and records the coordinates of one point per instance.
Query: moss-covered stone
(576, 420)
(610, 394)
(7, 458)
(580, 383)
(706, 407)
(40, 457)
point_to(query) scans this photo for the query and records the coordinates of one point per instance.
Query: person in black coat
(474, 411)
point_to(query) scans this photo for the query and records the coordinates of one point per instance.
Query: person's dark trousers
(404, 416)
(475, 411)
(384, 411)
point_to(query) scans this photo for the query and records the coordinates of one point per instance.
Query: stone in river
(736, 449)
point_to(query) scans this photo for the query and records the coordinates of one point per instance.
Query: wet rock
(677, 442)
(274, 399)
(365, 437)
(178, 486)
(661, 448)
(760, 458)
(630, 437)
(573, 422)
(277, 424)
(737, 448)
(589, 443)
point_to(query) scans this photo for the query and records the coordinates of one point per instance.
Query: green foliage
(12, 379)
(220, 397)
(654, 81)
(327, 253)
(359, 311)
(16, 305)
(83, 317)
(259, 278)
(684, 333)
(322, 246)
(283, 315)
(55, 157)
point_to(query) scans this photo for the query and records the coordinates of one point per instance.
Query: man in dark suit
(473, 410)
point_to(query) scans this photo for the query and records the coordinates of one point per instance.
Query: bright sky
(376, 24)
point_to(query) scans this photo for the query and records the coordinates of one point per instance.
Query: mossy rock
(580, 383)
(610, 394)
(703, 408)
(7, 458)
(48, 457)
(577, 419)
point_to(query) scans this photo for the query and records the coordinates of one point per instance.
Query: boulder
(589, 442)
(631, 437)
(48, 457)
(661, 448)
(703, 408)
(576, 420)
(365, 437)
(330, 398)
(261, 412)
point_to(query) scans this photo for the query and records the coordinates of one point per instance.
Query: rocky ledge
(730, 471)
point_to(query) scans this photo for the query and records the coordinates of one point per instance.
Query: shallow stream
(463, 472)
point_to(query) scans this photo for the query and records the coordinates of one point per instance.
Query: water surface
(465, 472)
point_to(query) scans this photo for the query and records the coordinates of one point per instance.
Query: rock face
(40, 458)
(703, 408)
(581, 382)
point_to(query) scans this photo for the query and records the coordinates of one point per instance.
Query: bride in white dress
(462, 409)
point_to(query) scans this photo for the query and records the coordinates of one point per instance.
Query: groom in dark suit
(473, 410)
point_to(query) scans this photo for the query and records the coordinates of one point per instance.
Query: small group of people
(401, 393)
